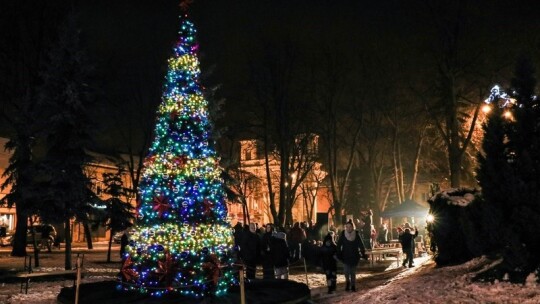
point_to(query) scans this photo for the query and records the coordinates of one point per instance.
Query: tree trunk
(245, 212)
(283, 189)
(397, 173)
(455, 167)
(416, 163)
(288, 214)
(271, 194)
(67, 232)
(109, 249)
(35, 245)
(88, 235)
(19, 241)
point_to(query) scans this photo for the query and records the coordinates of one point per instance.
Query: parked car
(117, 237)
(5, 236)
(41, 231)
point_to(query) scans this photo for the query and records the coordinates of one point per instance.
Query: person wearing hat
(329, 260)
(350, 248)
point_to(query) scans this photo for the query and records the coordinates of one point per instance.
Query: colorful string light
(182, 242)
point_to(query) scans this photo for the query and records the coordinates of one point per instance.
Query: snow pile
(457, 197)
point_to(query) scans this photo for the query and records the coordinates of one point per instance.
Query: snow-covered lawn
(422, 284)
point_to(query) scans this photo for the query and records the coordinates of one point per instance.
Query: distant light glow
(502, 99)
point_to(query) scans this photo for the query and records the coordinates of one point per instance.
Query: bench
(26, 277)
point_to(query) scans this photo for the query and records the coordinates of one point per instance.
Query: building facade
(311, 196)
(7, 215)
(100, 165)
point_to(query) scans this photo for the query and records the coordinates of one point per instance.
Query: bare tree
(284, 129)
(243, 184)
(310, 189)
(459, 85)
(339, 118)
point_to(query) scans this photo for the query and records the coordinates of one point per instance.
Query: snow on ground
(39, 292)
(422, 284)
(429, 284)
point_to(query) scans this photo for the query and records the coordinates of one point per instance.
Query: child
(329, 260)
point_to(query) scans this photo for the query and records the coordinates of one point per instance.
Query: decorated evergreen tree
(495, 158)
(508, 174)
(182, 242)
(494, 173)
(524, 144)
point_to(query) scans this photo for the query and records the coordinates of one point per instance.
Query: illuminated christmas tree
(182, 242)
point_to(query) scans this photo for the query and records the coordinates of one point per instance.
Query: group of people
(272, 250)
(348, 249)
(269, 248)
(275, 249)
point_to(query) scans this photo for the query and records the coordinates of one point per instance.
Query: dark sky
(129, 41)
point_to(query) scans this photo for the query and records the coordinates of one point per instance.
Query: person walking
(329, 260)
(350, 248)
(407, 244)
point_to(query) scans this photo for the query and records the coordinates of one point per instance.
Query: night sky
(390, 43)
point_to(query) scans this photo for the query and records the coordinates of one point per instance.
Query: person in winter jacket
(250, 250)
(382, 236)
(297, 235)
(238, 233)
(367, 229)
(407, 244)
(329, 260)
(350, 248)
(267, 263)
(280, 255)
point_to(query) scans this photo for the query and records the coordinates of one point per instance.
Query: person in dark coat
(407, 244)
(329, 260)
(124, 241)
(238, 232)
(350, 248)
(46, 233)
(266, 256)
(367, 229)
(297, 235)
(280, 255)
(382, 237)
(250, 250)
